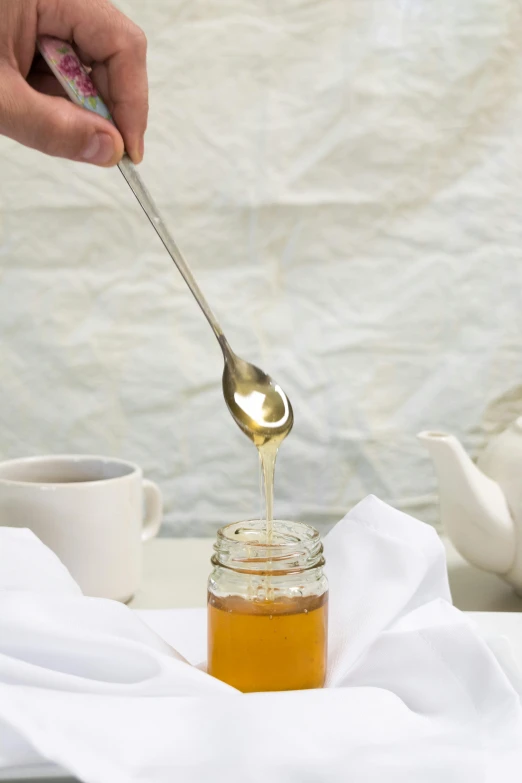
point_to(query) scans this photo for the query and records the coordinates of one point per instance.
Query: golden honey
(275, 645)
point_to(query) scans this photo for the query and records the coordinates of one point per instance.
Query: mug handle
(153, 510)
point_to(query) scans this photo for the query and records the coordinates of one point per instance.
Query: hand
(33, 109)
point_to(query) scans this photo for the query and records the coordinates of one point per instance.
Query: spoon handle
(136, 184)
(74, 78)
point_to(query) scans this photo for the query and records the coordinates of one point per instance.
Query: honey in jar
(268, 608)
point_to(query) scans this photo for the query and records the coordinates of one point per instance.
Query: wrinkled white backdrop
(345, 177)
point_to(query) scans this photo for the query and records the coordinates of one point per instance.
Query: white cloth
(344, 178)
(414, 694)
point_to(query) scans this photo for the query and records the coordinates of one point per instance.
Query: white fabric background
(345, 177)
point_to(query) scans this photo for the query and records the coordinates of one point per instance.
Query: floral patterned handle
(72, 75)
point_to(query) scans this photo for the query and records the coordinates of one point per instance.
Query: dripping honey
(268, 600)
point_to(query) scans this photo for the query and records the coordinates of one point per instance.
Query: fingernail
(136, 152)
(100, 149)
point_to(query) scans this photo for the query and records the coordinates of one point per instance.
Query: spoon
(257, 403)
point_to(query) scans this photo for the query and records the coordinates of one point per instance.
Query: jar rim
(242, 546)
(312, 534)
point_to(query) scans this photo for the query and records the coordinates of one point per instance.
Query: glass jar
(268, 607)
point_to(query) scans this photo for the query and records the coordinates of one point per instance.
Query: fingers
(107, 37)
(55, 125)
(44, 81)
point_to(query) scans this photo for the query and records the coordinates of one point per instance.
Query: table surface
(176, 571)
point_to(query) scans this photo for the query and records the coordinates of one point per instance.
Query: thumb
(55, 125)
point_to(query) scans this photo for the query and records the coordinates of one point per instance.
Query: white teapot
(481, 505)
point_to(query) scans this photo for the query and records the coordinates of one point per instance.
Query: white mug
(89, 511)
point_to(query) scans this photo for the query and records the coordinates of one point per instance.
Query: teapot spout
(473, 508)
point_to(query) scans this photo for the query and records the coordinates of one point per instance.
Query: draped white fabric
(345, 178)
(413, 693)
